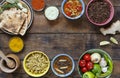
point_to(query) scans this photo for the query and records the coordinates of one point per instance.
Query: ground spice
(38, 4)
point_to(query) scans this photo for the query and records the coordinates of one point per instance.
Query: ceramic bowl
(9, 70)
(108, 20)
(73, 18)
(28, 71)
(101, 52)
(62, 75)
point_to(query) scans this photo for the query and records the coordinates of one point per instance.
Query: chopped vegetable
(72, 8)
(95, 57)
(9, 5)
(102, 43)
(103, 62)
(113, 40)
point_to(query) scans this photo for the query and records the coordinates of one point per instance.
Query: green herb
(9, 5)
(12, 1)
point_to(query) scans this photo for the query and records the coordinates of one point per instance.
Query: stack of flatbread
(14, 21)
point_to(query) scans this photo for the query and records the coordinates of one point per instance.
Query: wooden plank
(20, 73)
(58, 2)
(63, 25)
(53, 44)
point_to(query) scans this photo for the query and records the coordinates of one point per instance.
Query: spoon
(10, 63)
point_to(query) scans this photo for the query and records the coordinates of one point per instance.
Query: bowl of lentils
(99, 12)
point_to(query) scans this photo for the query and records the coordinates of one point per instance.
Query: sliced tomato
(79, 8)
(68, 13)
(68, 5)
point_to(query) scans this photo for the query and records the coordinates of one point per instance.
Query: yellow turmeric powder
(16, 44)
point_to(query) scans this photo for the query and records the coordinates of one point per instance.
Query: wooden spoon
(10, 63)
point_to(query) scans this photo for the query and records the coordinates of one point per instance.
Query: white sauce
(51, 13)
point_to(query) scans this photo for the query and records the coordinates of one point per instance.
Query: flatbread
(25, 25)
(13, 20)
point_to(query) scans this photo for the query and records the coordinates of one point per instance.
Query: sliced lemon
(102, 43)
(112, 39)
(16, 44)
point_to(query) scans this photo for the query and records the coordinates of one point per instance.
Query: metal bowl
(31, 15)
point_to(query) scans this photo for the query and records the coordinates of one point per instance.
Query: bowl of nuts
(36, 64)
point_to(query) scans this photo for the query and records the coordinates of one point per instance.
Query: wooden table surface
(63, 36)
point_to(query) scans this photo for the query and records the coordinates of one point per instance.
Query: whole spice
(99, 11)
(38, 4)
(63, 65)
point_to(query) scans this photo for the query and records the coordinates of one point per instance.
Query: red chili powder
(38, 4)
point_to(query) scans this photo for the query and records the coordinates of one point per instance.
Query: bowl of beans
(73, 9)
(36, 64)
(99, 12)
(62, 65)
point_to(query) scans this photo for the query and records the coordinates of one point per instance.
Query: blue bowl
(62, 75)
(73, 18)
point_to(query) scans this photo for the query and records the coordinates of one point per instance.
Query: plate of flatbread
(15, 18)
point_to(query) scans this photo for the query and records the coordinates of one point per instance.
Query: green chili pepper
(110, 68)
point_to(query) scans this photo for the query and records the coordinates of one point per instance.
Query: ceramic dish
(62, 60)
(102, 53)
(107, 20)
(75, 17)
(36, 64)
(30, 18)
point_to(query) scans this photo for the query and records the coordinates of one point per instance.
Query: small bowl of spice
(38, 5)
(99, 12)
(62, 65)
